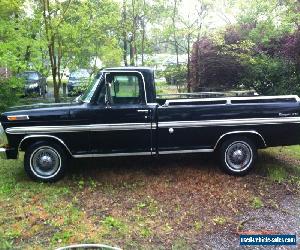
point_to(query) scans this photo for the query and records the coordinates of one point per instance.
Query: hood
(30, 81)
(77, 81)
(40, 106)
(41, 112)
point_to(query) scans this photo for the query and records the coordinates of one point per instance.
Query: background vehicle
(35, 83)
(121, 115)
(77, 80)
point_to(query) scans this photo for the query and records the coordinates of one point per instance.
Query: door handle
(143, 110)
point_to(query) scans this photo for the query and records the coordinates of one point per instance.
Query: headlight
(3, 138)
(33, 85)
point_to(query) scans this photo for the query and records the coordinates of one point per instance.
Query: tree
(261, 51)
(12, 51)
(77, 32)
(139, 19)
(215, 66)
(53, 17)
(20, 46)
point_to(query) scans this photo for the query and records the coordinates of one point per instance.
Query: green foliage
(62, 237)
(260, 51)
(198, 225)
(277, 174)
(256, 203)
(114, 223)
(146, 232)
(176, 75)
(219, 220)
(270, 76)
(10, 91)
(180, 244)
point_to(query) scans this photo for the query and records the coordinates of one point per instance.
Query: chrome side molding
(78, 128)
(189, 151)
(229, 122)
(112, 154)
(229, 100)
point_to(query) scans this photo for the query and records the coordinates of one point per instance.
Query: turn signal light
(18, 118)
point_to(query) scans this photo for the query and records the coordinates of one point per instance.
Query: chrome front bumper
(3, 138)
(3, 154)
(3, 141)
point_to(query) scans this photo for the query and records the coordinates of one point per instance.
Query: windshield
(30, 76)
(88, 94)
(80, 74)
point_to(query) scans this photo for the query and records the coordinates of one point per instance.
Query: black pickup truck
(120, 115)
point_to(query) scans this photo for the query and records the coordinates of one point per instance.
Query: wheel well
(27, 141)
(255, 137)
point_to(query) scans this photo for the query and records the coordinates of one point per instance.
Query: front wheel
(45, 161)
(238, 155)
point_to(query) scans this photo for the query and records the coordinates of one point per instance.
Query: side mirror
(106, 99)
(107, 94)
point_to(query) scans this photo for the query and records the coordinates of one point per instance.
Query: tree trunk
(132, 63)
(132, 40)
(125, 49)
(54, 72)
(59, 75)
(125, 43)
(188, 64)
(51, 47)
(174, 32)
(143, 41)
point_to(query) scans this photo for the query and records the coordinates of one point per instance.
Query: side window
(125, 89)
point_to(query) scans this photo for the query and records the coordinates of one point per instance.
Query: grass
(256, 203)
(219, 220)
(135, 203)
(290, 171)
(164, 88)
(277, 173)
(198, 225)
(50, 80)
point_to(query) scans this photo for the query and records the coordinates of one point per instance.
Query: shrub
(176, 75)
(10, 91)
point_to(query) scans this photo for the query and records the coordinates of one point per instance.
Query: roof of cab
(131, 68)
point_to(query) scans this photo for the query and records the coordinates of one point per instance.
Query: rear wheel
(45, 161)
(238, 155)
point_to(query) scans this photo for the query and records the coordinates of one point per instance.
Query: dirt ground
(187, 202)
(175, 202)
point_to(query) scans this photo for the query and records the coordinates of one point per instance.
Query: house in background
(5, 72)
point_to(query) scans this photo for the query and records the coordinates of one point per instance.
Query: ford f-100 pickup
(120, 115)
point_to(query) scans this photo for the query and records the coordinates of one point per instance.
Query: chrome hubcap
(45, 161)
(238, 156)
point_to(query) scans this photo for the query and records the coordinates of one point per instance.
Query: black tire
(49, 169)
(238, 155)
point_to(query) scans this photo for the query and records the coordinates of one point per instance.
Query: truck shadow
(145, 165)
(167, 165)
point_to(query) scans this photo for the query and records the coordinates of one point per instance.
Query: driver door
(122, 120)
